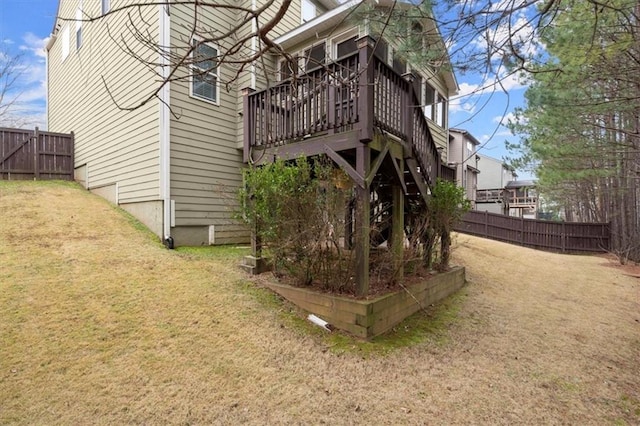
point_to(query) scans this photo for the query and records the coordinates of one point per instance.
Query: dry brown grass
(99, 324)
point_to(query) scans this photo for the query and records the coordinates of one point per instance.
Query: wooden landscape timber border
(562, 237)
(34, 154)
(369, 318)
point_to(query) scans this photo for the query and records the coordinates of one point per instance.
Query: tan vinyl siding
(290, 20)
(205, 162)
(118, 146)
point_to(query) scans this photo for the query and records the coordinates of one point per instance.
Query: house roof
(467, 134)
(520, 183)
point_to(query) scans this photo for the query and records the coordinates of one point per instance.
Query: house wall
(206, 138)
(460, 155)
(491, 173)
(205, 163)
(116, 151)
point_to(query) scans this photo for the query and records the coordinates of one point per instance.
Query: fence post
(563, 238)
(72, 141)
(36, 150)
(486, 223)
(522, 230)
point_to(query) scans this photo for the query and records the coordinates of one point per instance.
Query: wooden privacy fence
(564, 237)
(33, 154)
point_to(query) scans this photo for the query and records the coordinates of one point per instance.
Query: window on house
(314, 57)
(287, 68)
(65, 42)
(441, 111)
(105, 6)
(429, 100)
(308, 11)
(469, 148)
(417, 34)
(78, 28)
(417, 87)
(399, 64)
(381, 49)
(346, 47)
(204, 71)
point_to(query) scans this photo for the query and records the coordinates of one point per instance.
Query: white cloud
(35, 45)
(504, 120)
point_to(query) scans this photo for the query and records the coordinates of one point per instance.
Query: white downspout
(164, 41)
(254, 45)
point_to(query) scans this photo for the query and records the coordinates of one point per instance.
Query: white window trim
(315, 11)
(105, 6)
(78, 27)
(65, 42)
(334, 41)
(217, 74)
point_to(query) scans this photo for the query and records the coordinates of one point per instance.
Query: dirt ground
(99, 324)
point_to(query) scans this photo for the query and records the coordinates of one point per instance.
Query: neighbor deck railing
(358, 92)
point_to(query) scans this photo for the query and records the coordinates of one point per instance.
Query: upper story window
(106, 5)
(314, 56)
(469, 148)
(78, 27)
(308, 11)
(65, 42)
(381, 49)
(287, 68)
(429, 100)
(205, 72)
(399, 65)
(435, 105)
(346, 47)
(417, 87)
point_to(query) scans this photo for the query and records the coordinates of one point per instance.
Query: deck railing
(357, 92)
(504, 196)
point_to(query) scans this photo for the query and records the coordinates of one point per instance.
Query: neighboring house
(499, 191)
(492, 179)
(522, 199)
(462, 156)
(175, 162)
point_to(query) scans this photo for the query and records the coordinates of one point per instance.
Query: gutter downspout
(164, 36)
(254, 45)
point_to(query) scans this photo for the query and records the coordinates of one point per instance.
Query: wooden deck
(368, 119)
(342, 105)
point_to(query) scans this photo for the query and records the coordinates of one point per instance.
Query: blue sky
(25, 26)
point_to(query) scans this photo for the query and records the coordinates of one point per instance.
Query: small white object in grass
(320, 322)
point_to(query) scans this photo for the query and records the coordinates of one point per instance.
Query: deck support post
(397, 232)
(366, 90)
(248, 138)
(362, 222)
